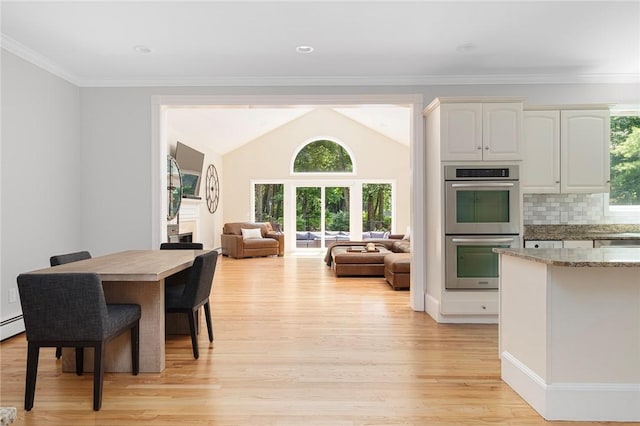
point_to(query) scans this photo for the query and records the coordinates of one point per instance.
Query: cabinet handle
(557, 181)
(479, 147)
(487, 148)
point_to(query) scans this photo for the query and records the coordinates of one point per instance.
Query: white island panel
(523, 331)
(595, 317)
(570, 331)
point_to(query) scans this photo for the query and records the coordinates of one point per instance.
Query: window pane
(323, 156)
(336, 214)
(625, 161)
(269, 204)
(308, 209)
(376, 207)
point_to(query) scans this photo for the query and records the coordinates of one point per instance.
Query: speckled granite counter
(581, 232)
(579, 257)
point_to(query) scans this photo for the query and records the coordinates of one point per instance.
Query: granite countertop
(581, 232)
(579, 257)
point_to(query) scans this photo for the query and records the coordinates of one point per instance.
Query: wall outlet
(13, 295)
(564, 217)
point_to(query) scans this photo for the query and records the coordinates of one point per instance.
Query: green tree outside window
(625, 161)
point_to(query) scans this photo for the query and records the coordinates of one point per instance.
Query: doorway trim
(417, 153)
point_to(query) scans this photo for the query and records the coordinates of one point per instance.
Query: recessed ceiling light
(304, 49)
(141, 49)
(466, 47)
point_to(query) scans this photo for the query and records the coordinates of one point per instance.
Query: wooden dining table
(133, 276)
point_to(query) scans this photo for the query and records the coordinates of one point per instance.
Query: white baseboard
(432, 307)
(11, 327)
(618, 402)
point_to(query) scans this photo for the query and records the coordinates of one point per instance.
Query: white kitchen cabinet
(584, 151)
(480, 131)
(565, 151)
(577, 244)
(540, 169)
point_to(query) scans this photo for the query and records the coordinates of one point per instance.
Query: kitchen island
(569, 325)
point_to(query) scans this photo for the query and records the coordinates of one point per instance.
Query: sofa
(241, 240)
(393, 261)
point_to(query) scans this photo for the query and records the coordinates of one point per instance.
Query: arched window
(323, 156)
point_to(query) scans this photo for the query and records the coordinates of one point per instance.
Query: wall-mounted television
(190, 162)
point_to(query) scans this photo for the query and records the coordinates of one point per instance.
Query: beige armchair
(266, 243)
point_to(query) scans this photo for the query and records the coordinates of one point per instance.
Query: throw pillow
(251, 233)
(407, 235)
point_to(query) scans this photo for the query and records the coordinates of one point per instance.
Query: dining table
(132, 276)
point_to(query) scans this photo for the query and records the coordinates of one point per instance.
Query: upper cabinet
(479, 131)
(566, 151)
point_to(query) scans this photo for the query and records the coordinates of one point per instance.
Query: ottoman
(347, 263)
(397, 270)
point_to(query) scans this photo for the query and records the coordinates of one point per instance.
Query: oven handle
(483, 185)
(482, 240)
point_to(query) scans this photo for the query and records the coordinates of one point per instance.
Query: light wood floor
(293, 346)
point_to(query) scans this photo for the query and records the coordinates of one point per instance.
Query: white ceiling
(356, 42)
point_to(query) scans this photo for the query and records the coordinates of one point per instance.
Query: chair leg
(194, 337)
(33, 352)
(207, 314)
(58, 352)
(135, 348)
(98, 376)
(79, 361)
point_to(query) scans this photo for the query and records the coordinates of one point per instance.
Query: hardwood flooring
(293, 346)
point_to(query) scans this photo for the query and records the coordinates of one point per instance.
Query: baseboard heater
(11, 326)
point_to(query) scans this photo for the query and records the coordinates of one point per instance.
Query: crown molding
(45, 63)
(432, 80)
(29, 55)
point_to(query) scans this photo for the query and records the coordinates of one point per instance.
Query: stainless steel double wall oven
(482, 211)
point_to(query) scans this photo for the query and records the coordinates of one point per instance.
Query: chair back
(198, 287)
(61, 259)
(181, 246)
(67, 307)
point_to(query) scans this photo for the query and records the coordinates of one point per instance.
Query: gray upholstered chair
(69, 310)
(61, 259)
(188, 296)
(181, 246)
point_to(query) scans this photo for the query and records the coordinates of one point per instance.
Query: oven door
(482, 207)
(471, 263)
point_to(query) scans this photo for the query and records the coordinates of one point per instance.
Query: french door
(322, 215)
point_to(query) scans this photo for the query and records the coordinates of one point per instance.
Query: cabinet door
(461, 131)
(501, 131)
(540, 169)
(584, 155)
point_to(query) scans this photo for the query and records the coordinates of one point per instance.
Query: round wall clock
(213, 189)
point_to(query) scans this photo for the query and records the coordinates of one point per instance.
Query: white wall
(270, 157)
(41, 173)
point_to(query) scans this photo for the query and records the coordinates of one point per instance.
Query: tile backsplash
(575, 209)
